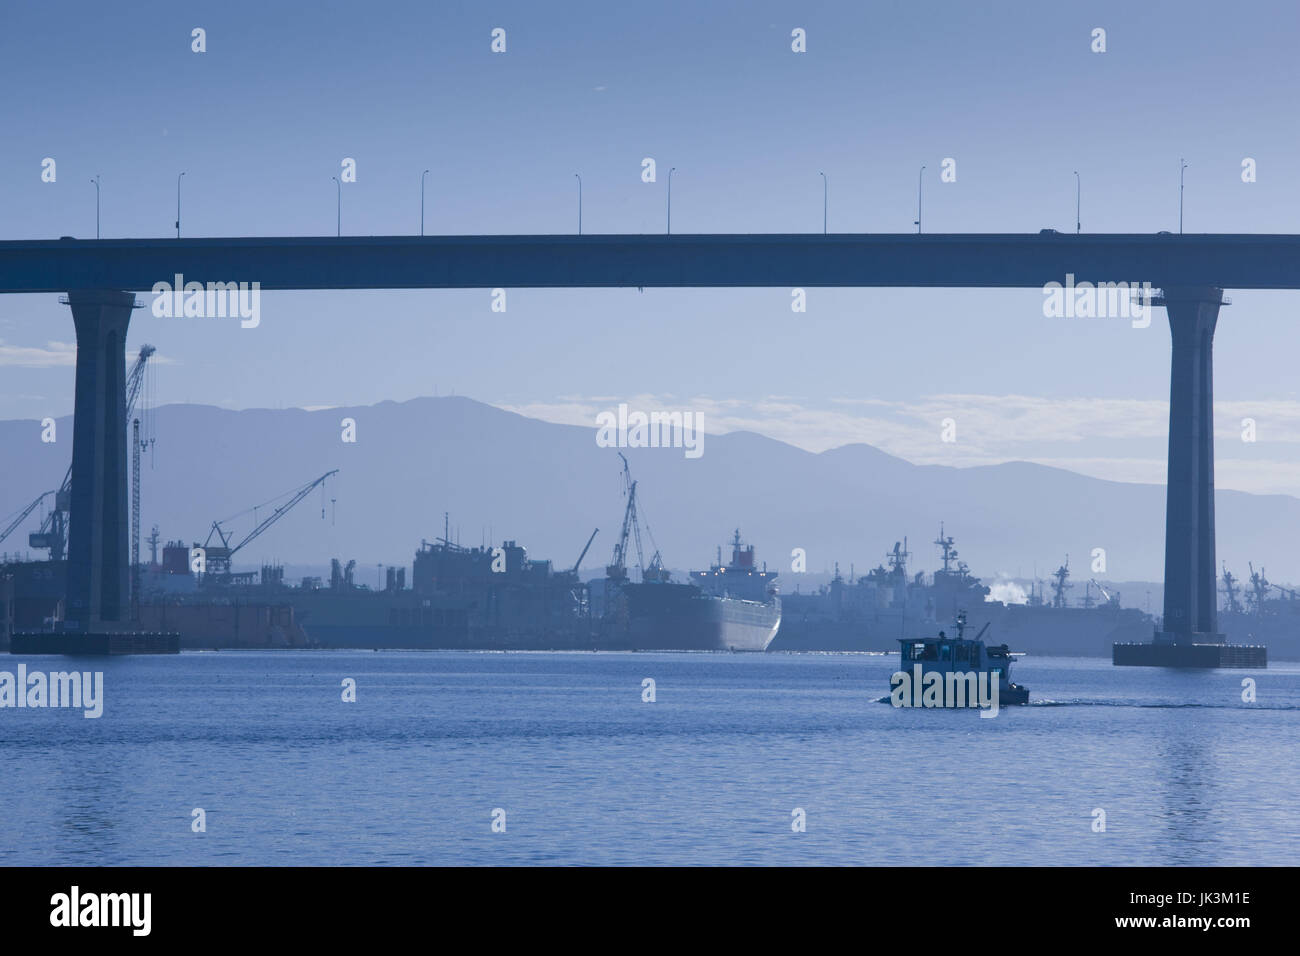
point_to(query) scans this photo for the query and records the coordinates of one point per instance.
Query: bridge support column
(97, 532)
(1191, 599)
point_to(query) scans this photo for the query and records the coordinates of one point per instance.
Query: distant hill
(546, 486)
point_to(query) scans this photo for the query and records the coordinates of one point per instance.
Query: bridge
(1190, 270)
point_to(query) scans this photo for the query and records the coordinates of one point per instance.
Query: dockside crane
(28, 510)
(616, 570)
(1288, 593)
(1104, 593)
(217, 558)
(577, 564)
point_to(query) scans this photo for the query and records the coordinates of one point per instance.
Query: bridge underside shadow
(98, 562)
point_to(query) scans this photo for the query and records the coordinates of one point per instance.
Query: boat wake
(1158, 705)
(1152, 705)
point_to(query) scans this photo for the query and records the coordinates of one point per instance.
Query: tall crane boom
(576, 565)
(133, 384)
(218, 558)
(32, 507)
(135, 379)
(616, 570)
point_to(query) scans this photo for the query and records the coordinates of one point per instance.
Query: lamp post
(339, 209)
(918, 200)
(1182, 169)
(178, 205)
(422, 175)
(579, 179)
(1078, 196)
(95, 183)
(825, 194)
(670, 199)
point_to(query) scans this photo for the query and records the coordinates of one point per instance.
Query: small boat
(968, 670)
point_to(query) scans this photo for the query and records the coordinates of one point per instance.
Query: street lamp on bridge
(422, 175)
(825, 193)
(670, 199)
(339, 208)
(1078, 195)
(918, 200)
(579, 179)
(178, 205)
(1182, 169)
(95, 183)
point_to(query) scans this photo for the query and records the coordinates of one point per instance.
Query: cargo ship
(731, 607)
(480, 598)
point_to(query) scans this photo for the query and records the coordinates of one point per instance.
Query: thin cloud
(1114, 439)
(26, 356)
(56, 354)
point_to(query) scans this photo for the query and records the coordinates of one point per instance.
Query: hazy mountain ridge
(502, 475)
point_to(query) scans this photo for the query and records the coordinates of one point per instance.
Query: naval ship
(1261, 612)
(874, 611)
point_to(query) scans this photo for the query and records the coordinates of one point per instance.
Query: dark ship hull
(404, 620)
(681, 617)
(887, 604)
(460, 599)
(1075, 632)
(224, 623)
(1278, 630)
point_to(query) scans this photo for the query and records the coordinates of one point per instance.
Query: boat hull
(676, 617)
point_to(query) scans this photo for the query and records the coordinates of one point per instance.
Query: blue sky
(1011, 91)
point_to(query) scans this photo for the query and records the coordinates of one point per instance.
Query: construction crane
(53, 535)
(29, 509)
(134, 382)
(577, 564)
(217, 558)
(616, 570)
(1104, 593)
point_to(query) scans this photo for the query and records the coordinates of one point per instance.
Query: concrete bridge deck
(962, 260)
(1191, 271)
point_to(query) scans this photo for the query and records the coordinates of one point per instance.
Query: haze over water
(587, 773)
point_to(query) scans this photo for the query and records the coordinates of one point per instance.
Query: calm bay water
(589, 774)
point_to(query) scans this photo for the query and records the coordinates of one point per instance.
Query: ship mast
(949, 552)
(1230, 588)
(1259, 586)
(1059, 587)
(898, 559)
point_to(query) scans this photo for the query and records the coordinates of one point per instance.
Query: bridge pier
(1191, 636)
(97, 529)
(1191, 595)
